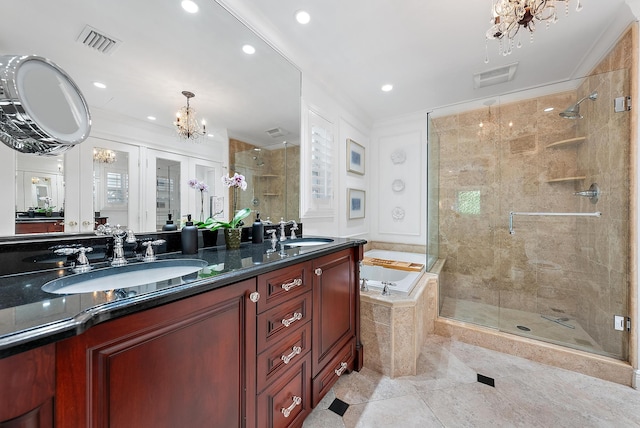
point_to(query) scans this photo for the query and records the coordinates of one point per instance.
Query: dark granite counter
(30, 317)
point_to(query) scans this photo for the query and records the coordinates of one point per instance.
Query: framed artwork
(356, 201)
(355, 157)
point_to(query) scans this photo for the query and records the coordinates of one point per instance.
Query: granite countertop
(31, 317)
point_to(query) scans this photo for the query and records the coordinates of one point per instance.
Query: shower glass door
(534, 213)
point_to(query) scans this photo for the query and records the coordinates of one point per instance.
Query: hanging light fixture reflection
(508, 16)
(104, 156)
(186, 122)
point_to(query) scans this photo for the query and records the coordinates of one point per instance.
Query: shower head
(573, 112)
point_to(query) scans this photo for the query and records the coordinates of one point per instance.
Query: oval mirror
(42, 111)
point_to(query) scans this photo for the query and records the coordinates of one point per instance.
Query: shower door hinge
(621, 323)
(621, 104)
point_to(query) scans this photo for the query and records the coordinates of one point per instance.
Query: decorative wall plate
(397, 185)
(398, 214)
(398, 157)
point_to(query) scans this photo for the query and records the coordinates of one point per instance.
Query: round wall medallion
(398, 214)
(397, 185)
(398, 157)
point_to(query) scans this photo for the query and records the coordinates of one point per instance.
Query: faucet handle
(131, 238)
(149, 255)
(83, 261)
(294, 227)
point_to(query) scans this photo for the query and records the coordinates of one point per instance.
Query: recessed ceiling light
(303, 17)
(151, 117)
(99, 85)
(549, 109)
(386, 88)
(248, 49)
(209, 135)
(189, 6)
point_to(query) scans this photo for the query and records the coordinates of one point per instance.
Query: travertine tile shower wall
(558, 266)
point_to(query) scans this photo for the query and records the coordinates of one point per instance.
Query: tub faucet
(385, 289)
(363, 284)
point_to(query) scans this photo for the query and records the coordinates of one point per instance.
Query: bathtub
(401, 281)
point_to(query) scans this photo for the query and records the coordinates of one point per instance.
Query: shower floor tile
(566, 332)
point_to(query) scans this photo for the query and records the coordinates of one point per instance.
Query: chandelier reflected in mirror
(104, 156)
(509, 16)
(186, 122)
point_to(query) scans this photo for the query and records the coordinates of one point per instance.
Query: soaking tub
(399, 281)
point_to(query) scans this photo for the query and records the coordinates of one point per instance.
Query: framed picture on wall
(355, 202)
(355, 157)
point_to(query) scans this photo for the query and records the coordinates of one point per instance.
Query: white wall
(399, 182)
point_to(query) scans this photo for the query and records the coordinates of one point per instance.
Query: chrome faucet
(149, 255)
(283, 224)
(119, 234)
(81, 264)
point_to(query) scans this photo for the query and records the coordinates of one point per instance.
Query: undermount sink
(130, 275)
(307, 242)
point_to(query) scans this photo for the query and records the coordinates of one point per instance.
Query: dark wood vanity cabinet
(28, 388)
(258, 353)
(187, 363)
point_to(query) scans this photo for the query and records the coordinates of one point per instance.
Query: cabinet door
(27, 385)
(188, 363)
(334, 306)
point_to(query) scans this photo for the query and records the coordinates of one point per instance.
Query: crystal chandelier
(104, 156)
(186, 123)
(509, 15)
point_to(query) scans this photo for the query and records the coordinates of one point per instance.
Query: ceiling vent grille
(277, 132)
(495, 76)
(97, 40)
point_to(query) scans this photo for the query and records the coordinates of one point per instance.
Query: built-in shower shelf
(271, 194)
(565, 143)
(267, 176)
(566, 179)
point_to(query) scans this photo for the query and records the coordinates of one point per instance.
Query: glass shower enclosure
(533, 213)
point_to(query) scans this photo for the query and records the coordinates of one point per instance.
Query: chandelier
(508, 16)
(186, 123)
(104, 156)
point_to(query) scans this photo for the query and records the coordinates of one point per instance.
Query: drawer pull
(343, 367)
(296, 316)
(289, 285)
(254, 297)
(296, 402)
(295, 351)
(318, 271)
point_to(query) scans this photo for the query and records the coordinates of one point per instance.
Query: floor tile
(406, 412)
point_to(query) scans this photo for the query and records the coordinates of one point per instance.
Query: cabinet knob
(286, 411)
(73, 223)
(318, 271)
(254, 297)
(87, 223)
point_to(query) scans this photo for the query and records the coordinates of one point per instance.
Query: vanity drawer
(277, 323)
(339, 365)
(282, 285)
(284, 354)
(287, 402)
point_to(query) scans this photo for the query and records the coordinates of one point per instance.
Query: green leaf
(240, 215)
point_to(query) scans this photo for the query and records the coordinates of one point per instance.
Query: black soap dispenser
(169, 226)
(257, 231)
(189, 237)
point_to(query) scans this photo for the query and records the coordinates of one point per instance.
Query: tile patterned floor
(446, 393)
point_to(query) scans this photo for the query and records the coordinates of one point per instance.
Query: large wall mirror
(134, 168)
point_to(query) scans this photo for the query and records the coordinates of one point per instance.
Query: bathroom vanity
(257, 344)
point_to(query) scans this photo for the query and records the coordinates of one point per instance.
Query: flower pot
(232, 238)
(209, 238)
(48, 213)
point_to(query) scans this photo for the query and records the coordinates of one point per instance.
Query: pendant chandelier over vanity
(508, 16)
(104, 156)
(186, 122)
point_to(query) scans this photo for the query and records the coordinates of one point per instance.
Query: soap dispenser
(169, 226)
(257, 231)
(189, 237)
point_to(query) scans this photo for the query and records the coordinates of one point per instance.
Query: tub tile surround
(445, 392)
(538, 269)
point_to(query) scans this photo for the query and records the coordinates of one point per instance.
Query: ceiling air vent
(277, 132)
(495, 76)
(97, 40)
